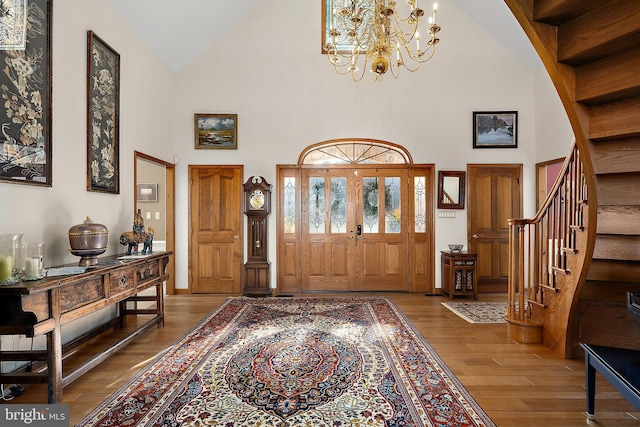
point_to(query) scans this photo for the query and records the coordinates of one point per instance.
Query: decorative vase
(88, 240)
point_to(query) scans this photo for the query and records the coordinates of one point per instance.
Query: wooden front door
(215, 223)
(354, 229)
(494, 197)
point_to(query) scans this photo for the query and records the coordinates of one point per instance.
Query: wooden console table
(619, 366)
(41, 307)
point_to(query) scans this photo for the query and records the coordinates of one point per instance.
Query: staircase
(591, 50)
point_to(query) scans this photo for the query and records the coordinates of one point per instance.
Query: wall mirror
(451, 189)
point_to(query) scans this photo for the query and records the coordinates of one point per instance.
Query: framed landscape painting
(495, 129)
(25, 88)
(216, 131)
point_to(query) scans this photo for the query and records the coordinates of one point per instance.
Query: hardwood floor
(516, 384)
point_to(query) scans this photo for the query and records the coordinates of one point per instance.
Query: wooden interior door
(382, 252)
(495, 196)
(328, 236)
(354, 232)
(216, 225)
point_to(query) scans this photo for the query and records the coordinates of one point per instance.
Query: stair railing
(538, 247)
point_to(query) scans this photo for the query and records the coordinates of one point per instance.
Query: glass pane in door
(419, 204)
(289, 205)
(392, 209)
(370, 202)
(317, 217)
(339, 205)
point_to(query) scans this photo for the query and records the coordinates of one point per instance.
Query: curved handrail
(539, 246)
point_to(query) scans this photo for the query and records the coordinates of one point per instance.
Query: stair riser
(615, 120)
(614, 271)
(619, 220)
(618, 189)
(619, 156)
(610, 79)
(620, 248)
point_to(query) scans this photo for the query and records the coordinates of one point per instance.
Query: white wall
(271, 73)
(552, 140)
(146, 115)
(146, 112)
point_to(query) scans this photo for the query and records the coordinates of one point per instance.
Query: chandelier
(372, 31)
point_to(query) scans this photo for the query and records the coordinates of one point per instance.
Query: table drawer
(148, 271)
(77, 294)
(120, 281)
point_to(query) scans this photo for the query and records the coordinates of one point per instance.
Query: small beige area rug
(479, 312)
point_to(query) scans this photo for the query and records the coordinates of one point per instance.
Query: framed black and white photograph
(25, 88)
(493, 129)
(103, 116)
(147, 192)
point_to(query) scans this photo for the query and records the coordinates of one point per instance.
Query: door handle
(475, 236)
(236, 237)
(359, 232)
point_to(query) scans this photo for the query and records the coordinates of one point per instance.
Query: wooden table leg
(590, 374)
(54, 366)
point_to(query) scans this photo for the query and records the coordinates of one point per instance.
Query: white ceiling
(165, 25)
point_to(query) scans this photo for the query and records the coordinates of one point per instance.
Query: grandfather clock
(257, 207)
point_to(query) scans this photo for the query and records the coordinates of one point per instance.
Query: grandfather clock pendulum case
(257, 207)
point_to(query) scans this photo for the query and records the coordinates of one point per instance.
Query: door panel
(327, 248)
(354, 234)
(494, 198)
(382, 253)
(216, 223)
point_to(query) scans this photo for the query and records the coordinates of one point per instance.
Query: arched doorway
(355, 215)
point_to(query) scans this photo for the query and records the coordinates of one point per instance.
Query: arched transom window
(355, 152)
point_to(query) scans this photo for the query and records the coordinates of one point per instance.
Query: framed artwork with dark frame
(216, 131)
(25, 88)
(103, 116)
(147, 192)
(495, 129)
(451, 188)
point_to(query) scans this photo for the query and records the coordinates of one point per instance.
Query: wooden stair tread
(610, 28)
(609, 79)
(556, 12)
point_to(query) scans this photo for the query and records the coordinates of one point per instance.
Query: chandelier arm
(374, 30)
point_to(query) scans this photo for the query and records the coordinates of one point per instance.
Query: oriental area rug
(479, 312)
(313, 362)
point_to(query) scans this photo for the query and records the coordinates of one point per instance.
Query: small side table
(459, 274)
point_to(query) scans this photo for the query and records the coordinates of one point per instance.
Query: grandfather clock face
(256, 200)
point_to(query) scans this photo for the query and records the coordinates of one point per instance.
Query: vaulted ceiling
(179, 31)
